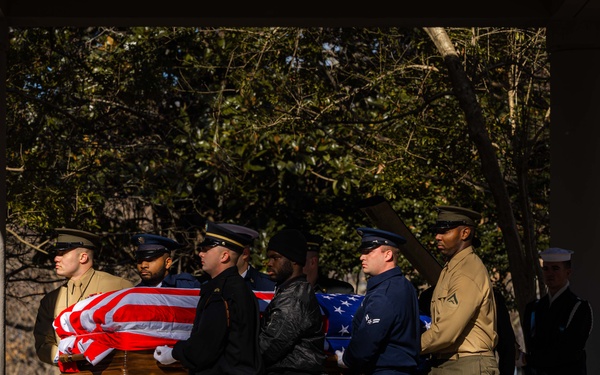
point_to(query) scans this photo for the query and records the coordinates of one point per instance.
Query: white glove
(340, 360)
(164, 355)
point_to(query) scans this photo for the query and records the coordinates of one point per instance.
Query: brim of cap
(54, 250)
(366, 247)
(444, 226)
(150, 254)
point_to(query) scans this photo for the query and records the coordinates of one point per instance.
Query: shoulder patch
(371, 321)
(452, 299)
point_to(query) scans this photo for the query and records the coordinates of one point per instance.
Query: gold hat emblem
(141, 240)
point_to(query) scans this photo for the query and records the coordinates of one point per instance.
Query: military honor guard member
(320, 282)
(556, 326)
(386, 327)
(224, 337)
(74, 260)
(463, 335)
(154, 260)
(255, 279)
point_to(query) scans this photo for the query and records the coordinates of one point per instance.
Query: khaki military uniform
(463, 312)
(92, 282)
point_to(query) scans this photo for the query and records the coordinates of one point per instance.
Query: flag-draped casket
(141, 318)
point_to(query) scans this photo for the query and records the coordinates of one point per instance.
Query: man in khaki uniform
(74, 260)
(463, 335)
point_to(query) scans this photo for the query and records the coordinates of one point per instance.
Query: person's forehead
(273, 253)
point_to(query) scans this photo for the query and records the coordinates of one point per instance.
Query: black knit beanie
(290, 243)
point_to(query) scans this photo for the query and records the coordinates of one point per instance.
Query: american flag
(338, 311)
(142, 318)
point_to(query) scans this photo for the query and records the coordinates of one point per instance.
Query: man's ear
(168, 262)
(225, 256)
(84, 257)
(465, 233)
(245, 254)
(389, 255)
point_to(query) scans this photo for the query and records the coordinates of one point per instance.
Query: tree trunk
(522, 271)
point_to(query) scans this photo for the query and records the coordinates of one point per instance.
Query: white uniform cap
(555, 254)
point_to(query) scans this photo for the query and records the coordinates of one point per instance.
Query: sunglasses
(210, 243)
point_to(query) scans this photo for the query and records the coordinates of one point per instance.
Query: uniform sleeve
(371, 333)
(208, 341)
(455, 308)
(282, 330)
(43, 332)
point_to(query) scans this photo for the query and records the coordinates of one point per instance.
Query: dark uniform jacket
(386, 328)
(506, 347)
(326, 285)
(178, 280)
(555, 335)
(292, 337)
(259, 281)
(224, 338)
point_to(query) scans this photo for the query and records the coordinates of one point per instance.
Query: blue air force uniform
(257, 280)
(386, 322)
(152, 246)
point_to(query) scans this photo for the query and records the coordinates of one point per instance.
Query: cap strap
(225, 238)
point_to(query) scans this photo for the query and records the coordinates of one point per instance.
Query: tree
(524, 267)
(124, 130)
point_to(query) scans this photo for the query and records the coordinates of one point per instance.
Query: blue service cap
(152, 245)
(232, 238)
(556, 254)
(373, 238)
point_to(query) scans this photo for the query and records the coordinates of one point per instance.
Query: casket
(123, 362)
(142, 362)
(116, 332)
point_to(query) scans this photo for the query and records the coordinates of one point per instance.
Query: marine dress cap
(556, 254)
(69, 239)
(152, 245)
(373, 238)
(452, 216)
(290, 243)
(220, 235)
(241, 230)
